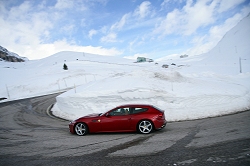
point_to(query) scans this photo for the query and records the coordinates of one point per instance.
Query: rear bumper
(161, 125)
(164, 125)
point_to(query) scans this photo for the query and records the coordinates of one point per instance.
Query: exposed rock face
(10, 56)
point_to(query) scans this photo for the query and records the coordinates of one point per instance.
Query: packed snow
(212, 84)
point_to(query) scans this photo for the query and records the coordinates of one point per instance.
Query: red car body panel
(121, 123)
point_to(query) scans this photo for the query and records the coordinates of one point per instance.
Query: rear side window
(138, 110)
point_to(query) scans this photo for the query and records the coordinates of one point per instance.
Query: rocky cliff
(8, 56)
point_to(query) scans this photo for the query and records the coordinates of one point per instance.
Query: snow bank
(181, 97)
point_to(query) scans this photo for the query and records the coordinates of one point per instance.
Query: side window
(120, 111)
(138, 110)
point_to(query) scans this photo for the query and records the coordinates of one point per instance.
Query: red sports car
(125, 118)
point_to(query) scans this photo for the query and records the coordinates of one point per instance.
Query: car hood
(91, 115)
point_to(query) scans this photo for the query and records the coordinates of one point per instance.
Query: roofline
(135, 105)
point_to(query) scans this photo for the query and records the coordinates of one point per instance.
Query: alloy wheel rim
(80, 129)
(145, 127)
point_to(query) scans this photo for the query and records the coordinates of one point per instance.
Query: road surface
(29, 136)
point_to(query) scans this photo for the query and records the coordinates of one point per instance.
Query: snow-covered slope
(38, 77)
(196, 87)
(225, 57)
(233, 45)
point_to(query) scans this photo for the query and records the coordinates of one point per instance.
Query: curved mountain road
(29, 136)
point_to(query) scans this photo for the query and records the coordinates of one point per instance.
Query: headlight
(72, 122)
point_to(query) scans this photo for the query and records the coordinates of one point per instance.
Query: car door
(116, 120)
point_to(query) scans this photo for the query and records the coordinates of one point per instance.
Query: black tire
(81, 129)
(145, 127)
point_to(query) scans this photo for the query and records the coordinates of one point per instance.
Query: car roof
(135, 105)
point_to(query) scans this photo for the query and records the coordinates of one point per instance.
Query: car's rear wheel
(81, 129)
(145, 127)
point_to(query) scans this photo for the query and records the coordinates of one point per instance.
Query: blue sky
(124, 28)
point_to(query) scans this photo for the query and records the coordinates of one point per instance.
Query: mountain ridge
(6, 55)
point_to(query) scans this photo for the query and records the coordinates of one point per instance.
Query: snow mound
(181, 97)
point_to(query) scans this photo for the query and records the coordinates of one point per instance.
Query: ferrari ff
(125, 118)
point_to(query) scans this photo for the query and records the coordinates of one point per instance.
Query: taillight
(160, 116)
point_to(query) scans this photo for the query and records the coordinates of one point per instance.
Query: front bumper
(71, 127)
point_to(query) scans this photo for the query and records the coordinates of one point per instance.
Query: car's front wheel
(145, 127)
(81, 129)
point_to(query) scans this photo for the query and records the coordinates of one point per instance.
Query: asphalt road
(29, 136)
